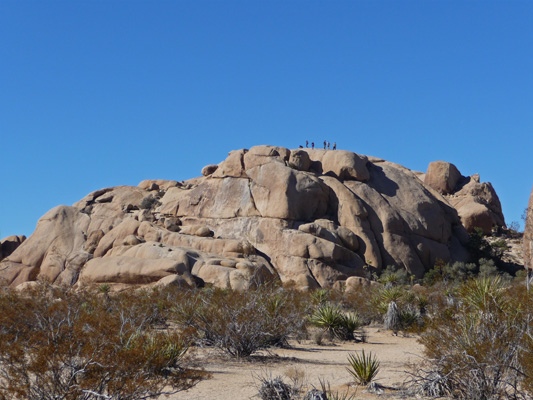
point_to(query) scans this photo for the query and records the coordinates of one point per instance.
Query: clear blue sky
(104, 93)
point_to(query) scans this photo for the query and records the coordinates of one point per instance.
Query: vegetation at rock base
(60, 344)
(479, 346)
(240, 324)
(474, 324)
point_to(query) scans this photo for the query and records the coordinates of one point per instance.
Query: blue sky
(104, 93)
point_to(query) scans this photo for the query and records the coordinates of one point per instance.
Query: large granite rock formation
(476, 202)
(528, 235)
(311, 217)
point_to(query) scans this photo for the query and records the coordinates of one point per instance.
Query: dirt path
(237, 380)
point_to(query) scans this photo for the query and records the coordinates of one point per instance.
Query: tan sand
(238, 380)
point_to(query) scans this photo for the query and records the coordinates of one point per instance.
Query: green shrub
(394, 276)
(459, 271)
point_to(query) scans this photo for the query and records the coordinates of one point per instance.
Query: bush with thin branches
(477, 346)
(56, 344)
(241, 324)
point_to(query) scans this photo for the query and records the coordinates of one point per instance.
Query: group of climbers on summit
(326, 144)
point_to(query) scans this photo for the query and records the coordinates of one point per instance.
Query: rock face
(313, 218)
(528, 235)
(477, 203)
(10, 244)
(442, 176)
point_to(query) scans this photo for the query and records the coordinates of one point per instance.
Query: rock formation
(313, 218)
(528, 235)
(9, 244)
(477, 203)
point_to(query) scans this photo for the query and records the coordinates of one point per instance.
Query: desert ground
(238, 380)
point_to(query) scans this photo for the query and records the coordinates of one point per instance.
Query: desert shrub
(459, 271)
(394, 276)
(514, 227)
(478, 246)
(274, 389)
(521, 275)
(477, 346)
(499, 247)
(149, 202)
(449, 273)
(481, 249)
(432, 276)
(242, 323)
(363, 368)
(488, 267)
(57, 344)
(362, 302)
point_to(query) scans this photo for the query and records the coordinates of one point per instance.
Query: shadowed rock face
(311, 217)
(528, 235)
(9, 244)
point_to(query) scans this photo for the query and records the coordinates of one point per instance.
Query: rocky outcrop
(9, 244)
(477, 203)
(442, 176)
(313, 218)
(528, 235)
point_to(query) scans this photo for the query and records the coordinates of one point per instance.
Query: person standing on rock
(306, 144)
(328, 145)
(324, 145)
(312, 145)
(335, 146)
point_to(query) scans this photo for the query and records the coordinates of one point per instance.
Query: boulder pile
(312, 218)
(476, 202)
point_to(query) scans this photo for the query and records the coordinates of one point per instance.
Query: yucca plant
(320, 296)
(350, 323)
(363, 368)
(329, 393)
(328, 317)
(483, 292)
(394, 293)
(331, 319)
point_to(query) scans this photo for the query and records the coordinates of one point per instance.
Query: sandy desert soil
(237, 380)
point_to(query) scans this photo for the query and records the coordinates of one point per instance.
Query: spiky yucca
(330, 318)
(363, 368)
